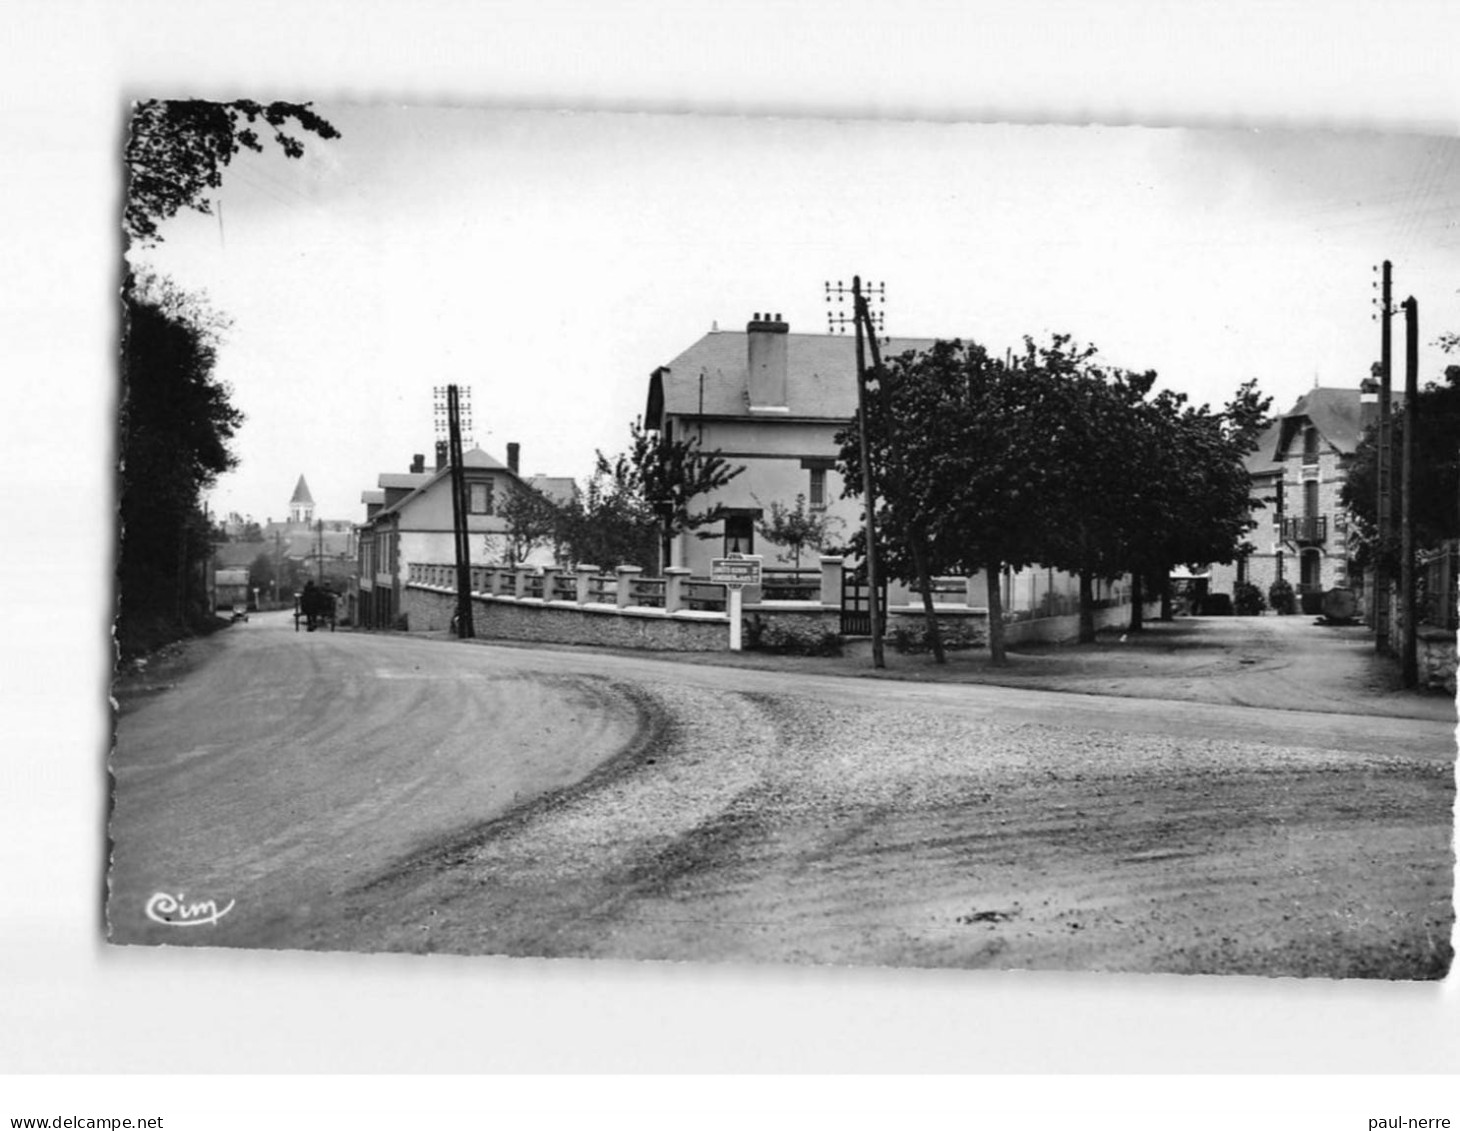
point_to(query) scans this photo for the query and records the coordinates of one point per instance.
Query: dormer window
(1310, 445)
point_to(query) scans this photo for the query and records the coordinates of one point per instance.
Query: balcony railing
(1310, 528)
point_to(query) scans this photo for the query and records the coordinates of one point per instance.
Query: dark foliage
(1436, 496)
(1216, 605)
(176, 423)
(178, 149)
(1050, 457)
(1248, 599)
(1282, 598)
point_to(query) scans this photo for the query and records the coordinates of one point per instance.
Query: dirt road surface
(372, 792)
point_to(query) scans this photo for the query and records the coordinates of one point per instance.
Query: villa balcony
(1310, 530)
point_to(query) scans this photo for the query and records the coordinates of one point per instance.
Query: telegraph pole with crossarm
(860, 314)
(449, 417)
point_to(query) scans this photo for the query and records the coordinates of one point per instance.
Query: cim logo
(175, 911)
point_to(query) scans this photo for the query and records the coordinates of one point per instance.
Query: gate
(856, 603)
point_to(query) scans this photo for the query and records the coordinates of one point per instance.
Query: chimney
(443, 452)
(514, 454)
(766, 362)
(418, 464)
(1368, 403)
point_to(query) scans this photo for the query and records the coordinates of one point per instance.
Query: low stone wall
(959, 628)
(430, 609)
(1066, 629)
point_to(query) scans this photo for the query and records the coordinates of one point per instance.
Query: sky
(550, 260)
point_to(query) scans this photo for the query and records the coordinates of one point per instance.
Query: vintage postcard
(497, 572)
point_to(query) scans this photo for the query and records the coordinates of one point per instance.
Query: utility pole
(459, 503)
(859, 307)
(1409, 659)
(1382, 581)
(917, 539)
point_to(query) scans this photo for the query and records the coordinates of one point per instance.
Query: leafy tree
(966, 491)
(532, 520)
(1436, 513)
(176, 420)
(667, 476)
(797, 528)
(261, 573)
(176, 424)
(1194, 505)
(607, 523)
(1052, 458)
(178, 149)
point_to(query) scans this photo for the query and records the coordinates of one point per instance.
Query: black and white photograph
(772, 564)
(736, 538)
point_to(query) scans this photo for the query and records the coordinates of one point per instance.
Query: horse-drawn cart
(314, 608)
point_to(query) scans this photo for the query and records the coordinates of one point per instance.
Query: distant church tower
(301, 506)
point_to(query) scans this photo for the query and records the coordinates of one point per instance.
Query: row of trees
(1051, 457)
(177, 420)
(176, 424)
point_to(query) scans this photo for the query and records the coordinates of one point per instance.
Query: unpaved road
(361, 792)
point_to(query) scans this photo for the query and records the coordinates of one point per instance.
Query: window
(739, 534)
(1310, 446)
(481, 498)
(818, 488)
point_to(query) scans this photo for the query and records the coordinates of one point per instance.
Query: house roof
(372, 498)
(420, 482)
(819, 372)
(1337, 414)
(410, 480)
(228, 555)
(559, 488)
(301, 493)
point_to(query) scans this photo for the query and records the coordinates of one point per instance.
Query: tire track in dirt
(774, 828)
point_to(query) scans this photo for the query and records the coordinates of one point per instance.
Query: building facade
(409, 519)
(1298, 471)
(772, 402)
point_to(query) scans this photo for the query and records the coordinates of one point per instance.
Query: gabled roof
(820, 372)
(301, 493)
(420, 482)
(1335, 413)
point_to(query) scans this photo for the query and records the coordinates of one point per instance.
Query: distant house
(409, 519)
(1298, 472)
(773, 402)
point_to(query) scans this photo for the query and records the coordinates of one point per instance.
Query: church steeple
(301, 506)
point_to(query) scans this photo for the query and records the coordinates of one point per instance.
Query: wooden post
(1409, 659)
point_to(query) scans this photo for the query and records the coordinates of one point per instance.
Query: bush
(1217, 605)
(789, 639)
(1280, 595)
(1249, 599)
(1313, 602)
